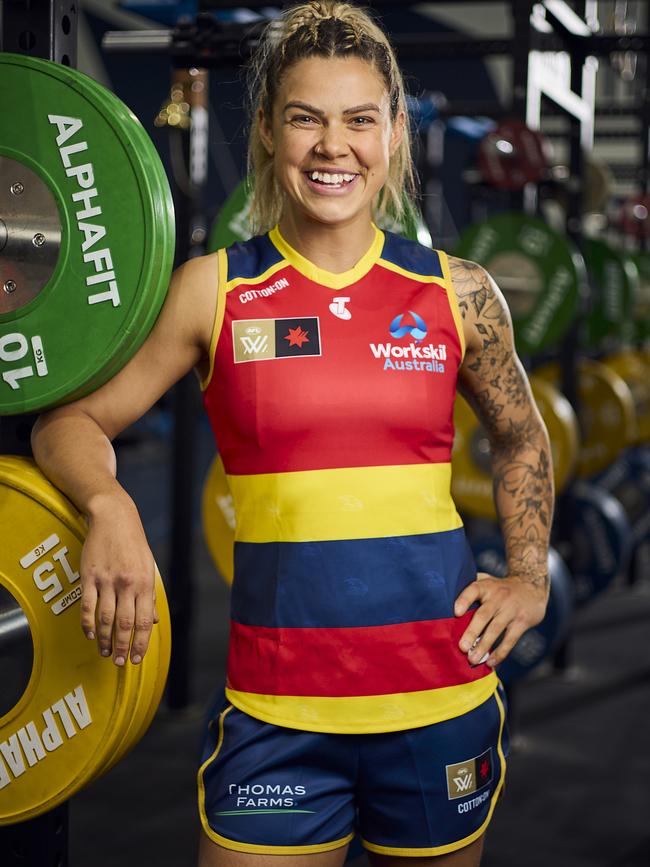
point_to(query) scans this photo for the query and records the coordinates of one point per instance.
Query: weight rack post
(192, 149)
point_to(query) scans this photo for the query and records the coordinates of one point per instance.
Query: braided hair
(322, 28)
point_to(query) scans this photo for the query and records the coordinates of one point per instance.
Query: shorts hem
(261, 849)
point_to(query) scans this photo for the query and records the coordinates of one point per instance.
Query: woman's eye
(362, 121)
(302, 118)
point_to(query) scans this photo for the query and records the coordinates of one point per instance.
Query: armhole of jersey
(453, 300)
(219, 313)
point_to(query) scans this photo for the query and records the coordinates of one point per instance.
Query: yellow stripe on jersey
(453, 300)
(366, 713)
(320, 275)
(348, 503)
(219, 312)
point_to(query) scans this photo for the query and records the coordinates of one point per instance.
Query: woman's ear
(266, 131)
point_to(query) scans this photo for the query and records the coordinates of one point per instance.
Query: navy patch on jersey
(297, 337)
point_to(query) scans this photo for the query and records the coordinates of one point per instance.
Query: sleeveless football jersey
(331, 400)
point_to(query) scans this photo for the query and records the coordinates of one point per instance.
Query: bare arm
(494, 383)
(72, 445)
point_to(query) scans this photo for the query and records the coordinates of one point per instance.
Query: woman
(361, 690)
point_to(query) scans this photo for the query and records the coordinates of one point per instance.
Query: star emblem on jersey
(338, 308)
(296, 336)
(465, 778)
(268, 339)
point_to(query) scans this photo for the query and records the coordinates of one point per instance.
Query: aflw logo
(465, 778)
(464, 781)
(255, 345)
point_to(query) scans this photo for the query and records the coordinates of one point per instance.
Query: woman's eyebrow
(368, 106)
(305, 107)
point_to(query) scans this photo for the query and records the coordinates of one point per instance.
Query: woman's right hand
(118, 604)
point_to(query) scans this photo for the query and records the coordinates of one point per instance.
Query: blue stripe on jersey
(252, 258)
(411, 256)
(354, 582)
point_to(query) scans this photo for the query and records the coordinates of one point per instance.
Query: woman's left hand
(507, 606)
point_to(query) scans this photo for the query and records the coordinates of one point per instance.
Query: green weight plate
(89, 235)
(231, 224)
(613, 284)
(641, 308)
(539, 271)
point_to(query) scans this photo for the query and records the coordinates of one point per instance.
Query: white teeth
(327, 178)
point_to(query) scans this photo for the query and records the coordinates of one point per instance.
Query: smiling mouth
(332, 179)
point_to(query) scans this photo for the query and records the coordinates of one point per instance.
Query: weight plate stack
(607, 416)
(89, 228)
(471, 463)
(614, 283)
(66, 713)
(602, 540)
(541, 274)
(632, 367)
(641, 314)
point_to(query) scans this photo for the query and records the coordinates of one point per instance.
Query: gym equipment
(613, 282)
(218, 518)
(607, 416)
(540, 272)
(641, 306)
(513, 155)
(602, 540)
(66, 713)
(628, 479)
(232, 225)
(537, 643)
(633, 369)
(634, 219)
(87, 233)
(471, 465)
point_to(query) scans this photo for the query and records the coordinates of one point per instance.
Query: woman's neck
(334, 248)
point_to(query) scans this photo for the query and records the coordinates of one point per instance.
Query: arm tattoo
(522, 472)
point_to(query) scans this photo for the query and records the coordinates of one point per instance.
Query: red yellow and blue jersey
(331, 399)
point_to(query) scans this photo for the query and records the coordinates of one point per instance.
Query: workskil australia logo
(410, 356)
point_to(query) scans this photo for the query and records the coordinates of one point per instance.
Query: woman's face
(331, 137)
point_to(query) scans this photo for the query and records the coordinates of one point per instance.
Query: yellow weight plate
(219, 519)
(152, 679)
(633, 367)
(70, 708)
(563, 431)
(607, 416)
(471, 466)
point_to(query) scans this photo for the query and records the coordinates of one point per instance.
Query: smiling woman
(361, 694)
(366, 98)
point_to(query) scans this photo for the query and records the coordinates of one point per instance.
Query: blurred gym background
(532, 126)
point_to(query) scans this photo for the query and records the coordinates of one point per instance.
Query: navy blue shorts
(426, 791)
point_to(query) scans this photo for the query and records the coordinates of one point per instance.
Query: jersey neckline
(320, 275)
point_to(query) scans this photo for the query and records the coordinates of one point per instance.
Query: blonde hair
(322, 28)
